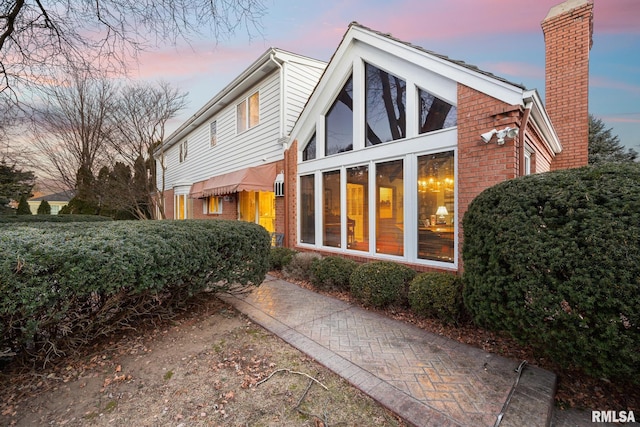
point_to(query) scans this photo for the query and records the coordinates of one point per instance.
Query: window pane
(385, 106)
(248, 206)
(254, 109)
(436, 207)
(435, 113)
(331, 203)
(241, 116)
(213, 132)
(390, 208)
(309, 152)
(358, 208)
(339, 122)
(307, 210)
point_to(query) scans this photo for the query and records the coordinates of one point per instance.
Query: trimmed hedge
(299, 268)
(381, 283)
(62, 285)
(280, 257)
(27, 219)
(332, 272)
(554, 259)
(436, 295)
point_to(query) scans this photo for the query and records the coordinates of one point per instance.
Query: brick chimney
(568, 30)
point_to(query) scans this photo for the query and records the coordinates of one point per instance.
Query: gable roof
(438, 55)
(457, 70)
(63, 196)
(268, 62)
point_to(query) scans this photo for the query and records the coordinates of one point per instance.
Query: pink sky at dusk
(500, 36)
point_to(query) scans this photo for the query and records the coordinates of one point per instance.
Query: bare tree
(140, 118)
(70, 128)
(43, 39)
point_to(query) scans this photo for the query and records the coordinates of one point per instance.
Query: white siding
(301, 80)
(255, 146)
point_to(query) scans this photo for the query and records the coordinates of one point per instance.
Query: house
(224, 161)
(56, 201)
(396, 141)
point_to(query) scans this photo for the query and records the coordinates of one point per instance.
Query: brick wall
(482, 165)
(567, 32)
(168, 204)
(229, 208)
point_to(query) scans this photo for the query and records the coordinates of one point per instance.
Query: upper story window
(213, 133)
(183, 151)
(339, 122)
(385, 106)
(435, 113)
(248, 112)
(309, 152)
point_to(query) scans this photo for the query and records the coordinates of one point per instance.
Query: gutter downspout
(523, 131)
(282, 93)
(282, 139)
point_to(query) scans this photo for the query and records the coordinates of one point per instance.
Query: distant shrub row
(12, 219)
(62, 285)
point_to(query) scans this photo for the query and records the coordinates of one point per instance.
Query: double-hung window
(213, 133)
(248, 112)
(212, 205)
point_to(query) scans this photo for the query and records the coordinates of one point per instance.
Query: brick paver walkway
(427, 379)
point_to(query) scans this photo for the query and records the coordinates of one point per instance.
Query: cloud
(516, 69)
(186, 61)
(608, 83)
(622, 118)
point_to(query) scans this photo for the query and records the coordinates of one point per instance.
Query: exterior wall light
(502, 135)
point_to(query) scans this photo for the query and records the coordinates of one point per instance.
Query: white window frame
(408, 149)
(245, 105)
(206, 205)
(527, 160)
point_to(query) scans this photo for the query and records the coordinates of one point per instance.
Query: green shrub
(279, 257)
(62, 285)
(44, 208)
(300, 266)
(436, 295)
(381, 283)
(28, 219)
(332, 272)
(554, 259)
(23, 206)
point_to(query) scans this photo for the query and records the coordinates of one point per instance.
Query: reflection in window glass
(307, 210)
(390, 208)
(331, 203)
(436, 187)
(309, 152)
(339, 122)
(241, 116)
(358, 208)
(385, 106)
(213, 133)
(254, 110)
(435, 113)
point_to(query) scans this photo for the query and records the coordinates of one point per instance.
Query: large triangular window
(386, 115)
(339, 122)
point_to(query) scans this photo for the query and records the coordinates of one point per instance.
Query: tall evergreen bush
(554, 259)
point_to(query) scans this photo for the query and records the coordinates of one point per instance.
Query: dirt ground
(211, 367)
